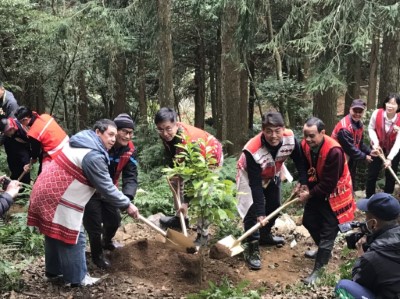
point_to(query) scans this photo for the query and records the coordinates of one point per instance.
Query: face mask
(368, 229)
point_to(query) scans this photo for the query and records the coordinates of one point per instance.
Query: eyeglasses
(126, 132)
(168, 130)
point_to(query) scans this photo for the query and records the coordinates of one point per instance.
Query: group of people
(77, 187)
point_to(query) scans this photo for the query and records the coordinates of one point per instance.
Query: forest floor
(146, 267)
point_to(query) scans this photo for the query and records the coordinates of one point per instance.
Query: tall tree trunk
(373, 72)
(221, 117)
(252, 93)
(353, 80)
(119, 78)
(325, 107)
(142, 88)
(230, 69)
(389, 79)
(200, 84)
(165, 58)
(83, 101)
(212, 74)
(244, 102)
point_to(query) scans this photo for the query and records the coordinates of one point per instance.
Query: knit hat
(382, 205)
(123, 120)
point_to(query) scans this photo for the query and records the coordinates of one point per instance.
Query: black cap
(123, 120)
(357, 103)
(382, 205)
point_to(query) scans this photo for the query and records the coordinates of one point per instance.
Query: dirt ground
(146, 267)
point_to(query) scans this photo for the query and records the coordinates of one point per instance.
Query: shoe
(311, 254)
(172, 222)
(53, 278)
(112, 245)
(201, 240)
(102, 262)
(252, 255)
(269, 239)
(322, 258)
(87, 281)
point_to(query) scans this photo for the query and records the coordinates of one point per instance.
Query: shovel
(178, 205)
(25, 171)
(229, 246)
(382, 156)
(177, 239)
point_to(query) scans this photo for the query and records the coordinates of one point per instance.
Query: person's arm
(298, 159)
(396, 147)
(6, 199)
(371, 129)
(332, 171)
(11, 105)
(96, 171)
(36, 148)
(363, 273)
(346, 140)
(255, 183)
(129, 178)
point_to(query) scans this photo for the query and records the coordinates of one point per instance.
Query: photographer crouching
(376, 273)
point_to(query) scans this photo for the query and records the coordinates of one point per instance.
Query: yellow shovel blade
(229, 246)
(180, 241)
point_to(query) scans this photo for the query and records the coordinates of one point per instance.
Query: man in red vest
(173, 133)
(349, 133)
(101, 219)
(329, 199)
(258, 180)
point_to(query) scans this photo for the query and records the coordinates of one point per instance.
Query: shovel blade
(180, 241)
(229, 246)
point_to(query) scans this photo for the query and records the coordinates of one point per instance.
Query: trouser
(353, 172)
(374, 169)
(100, 218)
(272, 197)
(346, 289)
(321, 222)
(66, 259)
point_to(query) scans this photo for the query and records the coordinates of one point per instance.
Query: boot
(311, 254)
(201, 240)
(96, 250)
(269, 239)
(322, 258)
(101, 261)
(252, 255)
(172, 222)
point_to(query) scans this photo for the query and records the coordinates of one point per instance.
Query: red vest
(51, 136)
(212, 143)
(386, 139)
(345, 124)
(341, 199)
(123, 160)
(269, 166)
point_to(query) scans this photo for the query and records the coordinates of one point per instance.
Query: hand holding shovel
(385, 161)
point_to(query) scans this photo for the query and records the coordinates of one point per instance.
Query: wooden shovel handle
(177, 198)
(266, 219)
(152, 225)
(383, 158)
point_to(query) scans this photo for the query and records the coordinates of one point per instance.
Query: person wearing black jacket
(7, 101)
(260, 168)
(101, 220)
(349, 132)
(376, 272)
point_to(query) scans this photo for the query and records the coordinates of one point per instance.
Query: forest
(219, 63)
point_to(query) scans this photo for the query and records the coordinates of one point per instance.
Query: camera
(353, 238)
(6, 181)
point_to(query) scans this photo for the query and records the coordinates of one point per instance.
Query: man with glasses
(173, 133)
(258, 180)
(101, 219)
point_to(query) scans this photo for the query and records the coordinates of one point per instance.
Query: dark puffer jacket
(378, 269)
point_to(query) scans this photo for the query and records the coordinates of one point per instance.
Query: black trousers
(320, 221)
(374, 169)
(272, 197)
(100, 218)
